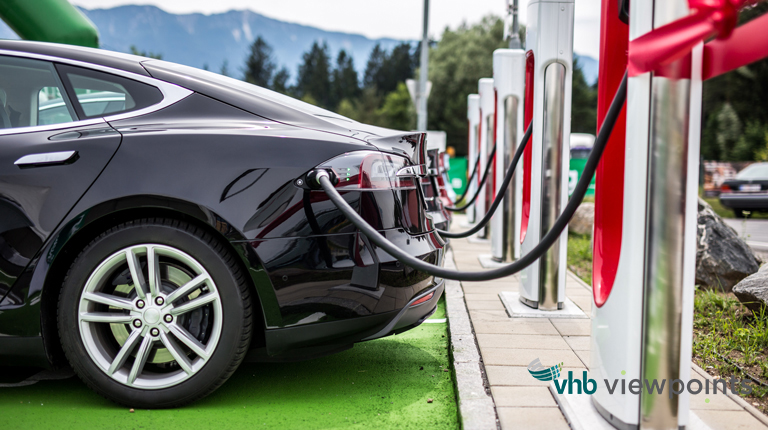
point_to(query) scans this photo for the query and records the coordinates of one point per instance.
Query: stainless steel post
(551, 191)
(665, 233)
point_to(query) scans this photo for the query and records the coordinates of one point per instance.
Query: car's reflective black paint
(228, 162)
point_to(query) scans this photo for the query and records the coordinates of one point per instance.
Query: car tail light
(424, 299)
(725, 188)
(369, 170)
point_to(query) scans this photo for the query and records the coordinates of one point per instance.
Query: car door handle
(47, 159)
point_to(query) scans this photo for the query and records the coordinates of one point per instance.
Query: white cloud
(399, 19)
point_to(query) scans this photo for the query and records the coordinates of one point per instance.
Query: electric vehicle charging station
(509, 80)
(549, 70)
(486, 139)
(645, 248)
(646, 196)
(473, 120)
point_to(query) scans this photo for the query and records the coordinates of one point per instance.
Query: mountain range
(200, 40)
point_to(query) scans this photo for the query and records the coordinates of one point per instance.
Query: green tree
(344, 83)
(459, 60)
(259, 66)
(373, 76)
(385, 70)
(744, 92)
(751, 142)
(398, 111)
(280, 81)
(465, 55)
(347, 108)
(135, 51)
(761, 154)
(224, 70)
(398, 66)
(314, 77)
(583, 103)
(364, 109)
(728, 131)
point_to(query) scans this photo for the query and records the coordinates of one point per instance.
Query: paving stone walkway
(507, 345)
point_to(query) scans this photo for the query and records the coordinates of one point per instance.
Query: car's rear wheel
(739, 213)
(155, 314)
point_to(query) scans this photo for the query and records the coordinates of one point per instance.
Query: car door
(47, 162)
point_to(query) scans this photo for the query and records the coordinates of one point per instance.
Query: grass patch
(728, 339)
(580, 256)
(381, 384)
(724, 212)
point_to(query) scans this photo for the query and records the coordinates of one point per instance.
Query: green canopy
(49, 21)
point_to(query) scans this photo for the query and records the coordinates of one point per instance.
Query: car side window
(31, 94)
(97, 94)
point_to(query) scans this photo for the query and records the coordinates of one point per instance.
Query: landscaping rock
(752, 291)
(722, 258)
(583, 219)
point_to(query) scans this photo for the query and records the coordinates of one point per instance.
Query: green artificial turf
(377, 384)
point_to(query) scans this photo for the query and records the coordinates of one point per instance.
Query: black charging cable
(502, 191)
(480, 187)
(471, 177)
(322, 179)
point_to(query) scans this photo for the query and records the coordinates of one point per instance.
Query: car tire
(185, 327)
(739, 213)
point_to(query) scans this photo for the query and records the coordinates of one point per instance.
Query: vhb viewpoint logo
(675, 387)
(544, 373)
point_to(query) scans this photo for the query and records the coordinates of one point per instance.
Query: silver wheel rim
(159, 326)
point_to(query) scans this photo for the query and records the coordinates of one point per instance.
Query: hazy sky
(399, 19)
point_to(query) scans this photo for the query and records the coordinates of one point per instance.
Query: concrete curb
(737, 399)
(476, 407)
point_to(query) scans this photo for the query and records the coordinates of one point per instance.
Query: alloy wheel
(150, 316)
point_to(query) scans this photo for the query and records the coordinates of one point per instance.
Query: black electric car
(156, 228)
(435, 193)
(748, 191)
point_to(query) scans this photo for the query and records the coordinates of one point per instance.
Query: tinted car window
(754, 171)
(97, 93)
(51, 108)
(26, 86)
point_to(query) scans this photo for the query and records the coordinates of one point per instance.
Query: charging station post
(473, 121)
(645, 225)
(509, 82)
(486, 139)
(549, 71)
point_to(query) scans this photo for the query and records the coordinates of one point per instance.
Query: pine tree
(584, 103)
(135, 51)
(345, 83)
(314, 77)
(259, 66)
(373, 77)
(398, 67)
(280, 81)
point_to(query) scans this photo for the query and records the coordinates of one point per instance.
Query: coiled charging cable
(500, 196)
(322, 179)
(480, 187)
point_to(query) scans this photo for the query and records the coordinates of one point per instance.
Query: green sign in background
(457, 172)
(576, 169)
